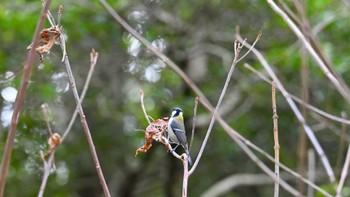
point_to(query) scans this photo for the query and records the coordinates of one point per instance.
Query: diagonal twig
(82, 116)
(194, 121)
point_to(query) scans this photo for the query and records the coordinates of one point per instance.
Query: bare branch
(229, 183)
(54, 141)
(46, 116)
(19, 100)
(341, 147)
(185, 176)
(275, 135)
(47, 171)
(256, 41)
(311, 171)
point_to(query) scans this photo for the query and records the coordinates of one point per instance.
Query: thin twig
(143, 107)
(194, 121)
(311, 171)
(297, 113)
(202, 98)
(237, 49)
(185, 177)
(256, 41)
(19, 100)
(93, 61)
(83, 119)
(47, 171)
(229, 183)
(344, 173)
(275, 135)
(302, 141)
(53, 146)
(46, 116)
(342, 138)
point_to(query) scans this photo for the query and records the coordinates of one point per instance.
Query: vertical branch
(54, 141)
(344, 173)
(19, 100)
(341, 148)
(194, 121)
(311, 174)
(47, 170)
(185, 178)
(275, 135)
(302, 144)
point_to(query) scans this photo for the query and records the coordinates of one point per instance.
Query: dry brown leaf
(53, 141)
(155, 131)
(48, 39)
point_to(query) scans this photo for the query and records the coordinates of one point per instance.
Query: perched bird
(176, 131)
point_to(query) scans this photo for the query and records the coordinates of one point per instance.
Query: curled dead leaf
(48, 38)
(155, 131)
(54, 140)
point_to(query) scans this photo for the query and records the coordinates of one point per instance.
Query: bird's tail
(189, 156)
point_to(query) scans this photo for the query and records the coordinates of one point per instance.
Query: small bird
(176, 131)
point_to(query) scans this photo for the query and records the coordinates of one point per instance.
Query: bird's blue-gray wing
(181, 136)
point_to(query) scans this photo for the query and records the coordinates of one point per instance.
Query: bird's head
(177, 113)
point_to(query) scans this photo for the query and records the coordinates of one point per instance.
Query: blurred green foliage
(198, 36)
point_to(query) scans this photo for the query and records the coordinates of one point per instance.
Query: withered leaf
(48, 38)
(154, 131)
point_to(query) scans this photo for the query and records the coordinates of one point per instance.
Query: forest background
(199, 37)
